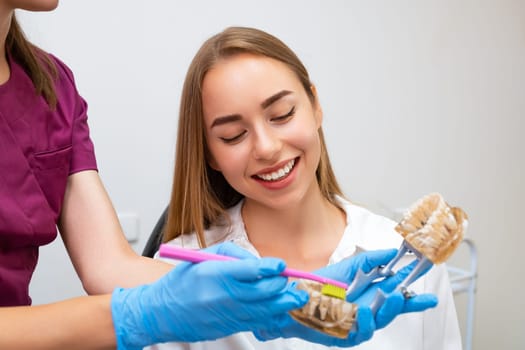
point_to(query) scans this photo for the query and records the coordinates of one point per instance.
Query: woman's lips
(278, 174)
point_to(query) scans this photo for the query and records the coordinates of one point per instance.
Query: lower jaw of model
(325, 313)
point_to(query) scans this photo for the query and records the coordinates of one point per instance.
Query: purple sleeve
(83, 153)
(83, 157)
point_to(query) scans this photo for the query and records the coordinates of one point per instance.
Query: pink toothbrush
(196, 256)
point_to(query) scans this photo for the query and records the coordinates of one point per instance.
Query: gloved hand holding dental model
(367, 320)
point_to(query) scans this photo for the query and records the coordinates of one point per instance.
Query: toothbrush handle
(191, 255)
(197, 256)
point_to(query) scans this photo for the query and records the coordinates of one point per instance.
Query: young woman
(252, 168)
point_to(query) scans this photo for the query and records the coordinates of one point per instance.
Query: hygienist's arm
(101, 255)
(79, 323)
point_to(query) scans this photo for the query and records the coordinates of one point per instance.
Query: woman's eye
(286, 116)
(233, 139)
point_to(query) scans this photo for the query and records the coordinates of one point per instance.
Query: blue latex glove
(286, 327)
(395, 303)
(204, 301)
(345, 271)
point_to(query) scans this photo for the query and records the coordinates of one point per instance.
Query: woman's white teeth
(278, 174)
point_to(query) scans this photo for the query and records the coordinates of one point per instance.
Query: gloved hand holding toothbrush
(213, 299)
(205, 301)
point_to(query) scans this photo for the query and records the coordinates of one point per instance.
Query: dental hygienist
(49, 178)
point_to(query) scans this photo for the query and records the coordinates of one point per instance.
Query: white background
(418, 96)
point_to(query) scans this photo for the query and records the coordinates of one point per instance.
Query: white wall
(418, 96)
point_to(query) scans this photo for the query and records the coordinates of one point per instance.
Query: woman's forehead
(243, 72)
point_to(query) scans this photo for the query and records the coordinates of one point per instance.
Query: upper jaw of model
(278, 174)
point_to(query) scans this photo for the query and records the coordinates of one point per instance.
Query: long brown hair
(37, 64)
(201, 195)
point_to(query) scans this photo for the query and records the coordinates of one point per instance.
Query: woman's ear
(318, 111)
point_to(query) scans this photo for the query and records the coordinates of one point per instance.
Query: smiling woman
(275, 109)
(252, 168)
(275, 132)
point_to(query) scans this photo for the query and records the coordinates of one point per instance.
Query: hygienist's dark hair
(37, 63)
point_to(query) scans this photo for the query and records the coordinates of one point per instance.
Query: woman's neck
(304, 235)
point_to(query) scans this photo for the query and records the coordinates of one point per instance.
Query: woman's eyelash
(237, 137)
(289, 114)
(233, 139)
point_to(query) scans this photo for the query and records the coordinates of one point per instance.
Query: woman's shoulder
(227, 230)
(370, 230)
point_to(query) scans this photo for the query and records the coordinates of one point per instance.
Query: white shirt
(434, 329)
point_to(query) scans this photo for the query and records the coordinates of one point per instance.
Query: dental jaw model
(327, 312)
(432, 230)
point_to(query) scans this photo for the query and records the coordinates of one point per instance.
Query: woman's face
(261, 129)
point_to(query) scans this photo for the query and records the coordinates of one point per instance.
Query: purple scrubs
(39, 148)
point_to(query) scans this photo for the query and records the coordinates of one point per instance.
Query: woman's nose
(266, 144)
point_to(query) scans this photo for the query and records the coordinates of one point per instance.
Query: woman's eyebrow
(266, 103)
(226, 119)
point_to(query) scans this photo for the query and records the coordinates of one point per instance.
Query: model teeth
(433, 228)
(327, 314)
(278, 174)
